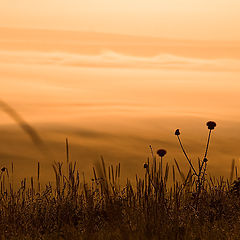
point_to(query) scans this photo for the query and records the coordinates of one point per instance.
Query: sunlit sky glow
(215, 19)
(116, 76)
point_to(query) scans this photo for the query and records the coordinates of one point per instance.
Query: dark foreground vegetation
(164, 204)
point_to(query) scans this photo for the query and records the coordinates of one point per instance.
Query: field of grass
(165, 203)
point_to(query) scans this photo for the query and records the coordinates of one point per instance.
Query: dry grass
(156, 207)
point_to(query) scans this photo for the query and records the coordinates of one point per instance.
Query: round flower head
(211, 125)
(177, 132)
(145, 165)
(161, 152)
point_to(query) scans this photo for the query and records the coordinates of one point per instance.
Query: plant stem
(201, 178)
(209, 135)
(189, 161)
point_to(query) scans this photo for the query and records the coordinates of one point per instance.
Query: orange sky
(122, 75)
(187, 19)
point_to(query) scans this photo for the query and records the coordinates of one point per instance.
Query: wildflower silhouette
(161, 152)
(145, 165)
(177, 132)
(211, 125)
(202, 171)
(202, 167)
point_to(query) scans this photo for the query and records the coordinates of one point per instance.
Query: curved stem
(189, 161)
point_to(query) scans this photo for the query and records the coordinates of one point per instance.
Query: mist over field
(113, 95)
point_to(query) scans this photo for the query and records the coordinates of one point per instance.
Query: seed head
(161, 152)
(3, 169)
(177, 132)
(145, 165)
(205, 160)
(211, 125)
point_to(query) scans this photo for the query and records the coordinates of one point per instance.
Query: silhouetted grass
(157, 206)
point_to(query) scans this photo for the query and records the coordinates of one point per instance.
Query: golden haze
(114, 93)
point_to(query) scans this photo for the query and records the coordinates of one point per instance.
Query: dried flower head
(205, 159)
(211, 125)
(145, 165)
(161, 152)
(3, 169)
(177, 132)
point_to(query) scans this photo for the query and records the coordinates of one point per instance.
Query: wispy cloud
(110, 59)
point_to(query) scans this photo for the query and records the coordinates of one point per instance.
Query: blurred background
(116, 77)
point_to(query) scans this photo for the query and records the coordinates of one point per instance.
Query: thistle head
(211, 125)
(177, 132)
(161, 152)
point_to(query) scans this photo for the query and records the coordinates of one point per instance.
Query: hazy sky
(215, 19)
(112, 94)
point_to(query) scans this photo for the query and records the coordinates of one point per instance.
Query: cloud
(110, 59)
